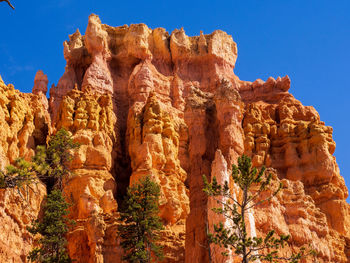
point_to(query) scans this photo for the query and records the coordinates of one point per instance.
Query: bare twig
(9, 3)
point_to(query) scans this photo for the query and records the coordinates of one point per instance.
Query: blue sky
(307, 40)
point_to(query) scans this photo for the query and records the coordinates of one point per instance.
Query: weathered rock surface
(146, 102)
(92, 187)
(24, 124)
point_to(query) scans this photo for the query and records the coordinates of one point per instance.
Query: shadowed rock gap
(196, 222)
(122, 166)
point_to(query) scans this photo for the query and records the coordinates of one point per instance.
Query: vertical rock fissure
(123, 169)
(121, 101)
(197, 220)
(122, 160)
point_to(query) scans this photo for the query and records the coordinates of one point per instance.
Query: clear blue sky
(307, 39)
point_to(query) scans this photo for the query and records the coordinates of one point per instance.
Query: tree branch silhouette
(9, 3)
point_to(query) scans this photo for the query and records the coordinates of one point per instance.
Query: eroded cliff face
(24, 122)
(143, 102)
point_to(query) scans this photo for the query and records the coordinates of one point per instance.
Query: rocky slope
(141, 101)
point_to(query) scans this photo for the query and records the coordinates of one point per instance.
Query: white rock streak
(220, 171)
(251, 221)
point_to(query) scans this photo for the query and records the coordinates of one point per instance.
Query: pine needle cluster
(18, 175)
(51, 162)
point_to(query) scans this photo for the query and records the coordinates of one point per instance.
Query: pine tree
(51, 163)
(252, 183)
(52, 228)
(140, 224)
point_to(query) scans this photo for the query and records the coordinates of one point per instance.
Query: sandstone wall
(24, 123)
(146, 102)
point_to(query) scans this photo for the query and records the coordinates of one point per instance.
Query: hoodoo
(146, 102)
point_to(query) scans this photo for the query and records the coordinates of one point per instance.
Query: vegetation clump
(18, 175)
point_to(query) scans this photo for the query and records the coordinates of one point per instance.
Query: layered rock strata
(146, 102)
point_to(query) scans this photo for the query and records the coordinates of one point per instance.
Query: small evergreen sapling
(51, 163)
(140, 224)
(236, 236)
(53, 229)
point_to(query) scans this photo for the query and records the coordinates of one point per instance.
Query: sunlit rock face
(24, 123)
(146, 102)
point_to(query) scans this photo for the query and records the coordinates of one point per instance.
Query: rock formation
(24, 123)
(143, 102)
